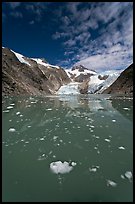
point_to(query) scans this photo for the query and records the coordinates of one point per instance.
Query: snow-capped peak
(21, 58)
(40, 61)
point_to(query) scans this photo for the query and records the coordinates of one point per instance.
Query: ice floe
(111, 183)
(121, 147)
(107, 140)
(128, 175)
(17, 113)
(11, 130)
(126, 108)
(62, 168)
(10, 107)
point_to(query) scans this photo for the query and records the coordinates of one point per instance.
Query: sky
(97, 35)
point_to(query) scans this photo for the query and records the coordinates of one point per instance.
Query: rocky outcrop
(123, 84)
(83, 87)
(29, 79)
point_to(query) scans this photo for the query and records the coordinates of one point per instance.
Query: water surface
(94, 131)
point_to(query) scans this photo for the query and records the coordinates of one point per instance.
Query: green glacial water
(92, 133)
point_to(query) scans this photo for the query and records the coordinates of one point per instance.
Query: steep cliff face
(123, 84)
(26, 76)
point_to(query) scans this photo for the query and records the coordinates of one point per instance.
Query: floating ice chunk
(121, 147)
(122, 176)
(73, 163)
(41, 139)
(92, 126)
(55, 137)
(11, 130)
(10, 107)
(107, 140)
(113, 121)
(86, 140)
(126, 108)
(6, 111)
(59, 167)
(111, 183)
(128, 174)
(93, 169)
(49, 109)
(17, 113)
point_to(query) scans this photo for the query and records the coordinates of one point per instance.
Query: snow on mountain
(97, 85)
(78, 70)
(40, 61)
(98, 82)
(21, 58)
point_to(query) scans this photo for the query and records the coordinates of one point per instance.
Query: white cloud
(115, 57)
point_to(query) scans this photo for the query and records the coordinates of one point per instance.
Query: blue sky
(98, 35)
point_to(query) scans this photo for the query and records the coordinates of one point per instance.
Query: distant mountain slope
(27, 76)
(123, 84)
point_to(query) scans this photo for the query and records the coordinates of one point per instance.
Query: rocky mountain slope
(123, 84)
(28, 76)
(32, 76)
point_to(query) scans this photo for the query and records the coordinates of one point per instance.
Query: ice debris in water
(121, 147)
(113, 121)
(128, 174)
(107, 140)
(9, 107)
(111, 183)
(94, 169)
(62, 168)
(126, 108)
(73, 163)
(11, 130)
(17, 113)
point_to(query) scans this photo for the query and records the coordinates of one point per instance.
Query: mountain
(123, 84)
(30, 76)
(33, 76)
(79, 73)
(86, 81)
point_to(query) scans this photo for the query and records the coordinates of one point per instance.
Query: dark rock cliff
(21, 79)
(123, 84)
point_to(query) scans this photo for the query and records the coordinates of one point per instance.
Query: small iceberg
(62, 168)
(128, 175)
(11, 130)
(111, 183)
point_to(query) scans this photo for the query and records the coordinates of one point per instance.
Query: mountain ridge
(22, 75)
